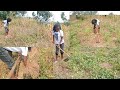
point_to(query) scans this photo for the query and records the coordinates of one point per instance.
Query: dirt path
(92, 41)
(61, 70)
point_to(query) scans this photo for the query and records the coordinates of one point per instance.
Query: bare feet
(14, 78)
(61, 56)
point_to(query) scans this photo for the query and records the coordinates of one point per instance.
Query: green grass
(90, 62)
(85, 61)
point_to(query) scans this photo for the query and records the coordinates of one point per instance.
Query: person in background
(96, 29)
(6, 23)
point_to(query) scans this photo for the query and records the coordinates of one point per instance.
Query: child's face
(57, 29)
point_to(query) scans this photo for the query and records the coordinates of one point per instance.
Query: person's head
(94, 21)
(29, 49)
(9, 19)
(57, 28)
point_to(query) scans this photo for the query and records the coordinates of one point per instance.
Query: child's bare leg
(56, 57)
(6, 31)
(97, 35)
(62, 51)
(57, 51)
(61, 56)
(97, 38)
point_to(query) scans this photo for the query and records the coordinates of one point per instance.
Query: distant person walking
(6, 23)
(96, 29)
(58, 40)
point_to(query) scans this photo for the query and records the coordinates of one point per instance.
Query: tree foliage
(84, 12)
(111, 13)
(66, 22)
(44, 15)
(5, 14)
(63, 16)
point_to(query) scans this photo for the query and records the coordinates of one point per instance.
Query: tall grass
(85, 60)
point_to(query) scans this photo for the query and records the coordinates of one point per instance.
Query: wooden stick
(13, 68)
(63, 51)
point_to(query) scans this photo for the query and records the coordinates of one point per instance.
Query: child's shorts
(57, 49)
(96, 26)
(6, 29)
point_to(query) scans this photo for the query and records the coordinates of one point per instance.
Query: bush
(67, 23)
(80, 17)
(3, 15)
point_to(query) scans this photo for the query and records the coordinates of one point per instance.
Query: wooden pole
(14, 67)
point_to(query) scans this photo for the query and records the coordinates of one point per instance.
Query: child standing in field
(6, 25)
(96, 29)
(58, 40)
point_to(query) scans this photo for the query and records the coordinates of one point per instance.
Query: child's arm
(61, 37)
(25, 54)
(53, 38)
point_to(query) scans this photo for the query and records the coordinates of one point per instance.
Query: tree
(21, 13)
(44, 15)
(63, 16)
(4, 14)
(64, 19)
(91, 12)
(33, 14)
(13, 13)
(81, 14)
(84, 12)
(111, 13)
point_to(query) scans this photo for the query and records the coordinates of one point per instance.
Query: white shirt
(5, 23)
(98, 22)
(57, 37)
(22, 50)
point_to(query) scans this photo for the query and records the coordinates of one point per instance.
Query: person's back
(5, 23)
(98, 22)
(22, 50)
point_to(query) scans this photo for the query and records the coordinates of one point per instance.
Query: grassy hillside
(36, 35)
(88, 59)
(23, 32)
